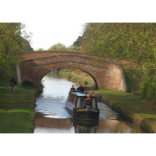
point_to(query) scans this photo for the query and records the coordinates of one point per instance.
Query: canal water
(52, 117)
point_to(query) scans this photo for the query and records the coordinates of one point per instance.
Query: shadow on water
(52, 117)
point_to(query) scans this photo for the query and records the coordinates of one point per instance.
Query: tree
(72, 48)
(77, 43)
(39, 49)
(12, 41)
(125, 41)
(26, 45)
(58, 47)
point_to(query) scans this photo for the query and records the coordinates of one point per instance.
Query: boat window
(93, 103)
(78, 102)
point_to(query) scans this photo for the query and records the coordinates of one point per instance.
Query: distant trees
(12, 41)
(71, 48)
(77, 43)
(39, 49)
(62, 47)
(58, 47)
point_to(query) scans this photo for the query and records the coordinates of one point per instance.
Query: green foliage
(148, 84)
(73, 79)
(133, 78)
(12, 41)
(16, 110)
(125, 41)
(26, 45)
(39, 49)
(58, 47)
(77, 43)
(71, 49)
(135, 108)
(131, 41)
(84, 82)
(69, 77)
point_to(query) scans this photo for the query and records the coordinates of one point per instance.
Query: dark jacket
(13, 81)
(81, 89)
(72, 89)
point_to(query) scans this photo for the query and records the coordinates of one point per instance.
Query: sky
(45, 35)
(51, 22)
(61, 21)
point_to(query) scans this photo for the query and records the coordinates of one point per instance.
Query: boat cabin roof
(81, 94)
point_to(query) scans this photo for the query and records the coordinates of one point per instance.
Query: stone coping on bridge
(54, 51)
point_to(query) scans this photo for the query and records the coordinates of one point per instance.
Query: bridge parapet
(41, 54)
(35, 65)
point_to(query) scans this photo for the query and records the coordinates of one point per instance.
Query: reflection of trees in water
(109, 126)
(116, 126)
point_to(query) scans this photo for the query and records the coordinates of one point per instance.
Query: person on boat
(72, 89)
(86, 101)
(80, 88)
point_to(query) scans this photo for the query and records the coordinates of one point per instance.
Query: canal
(52, 117)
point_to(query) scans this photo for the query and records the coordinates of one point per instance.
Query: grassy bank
(74, 77)
(134, 108)
(17, 110)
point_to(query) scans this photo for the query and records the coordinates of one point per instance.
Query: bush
(69, 77)
(73, 79)
(84, 82)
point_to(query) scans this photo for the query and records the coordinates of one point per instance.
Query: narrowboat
(75, 108)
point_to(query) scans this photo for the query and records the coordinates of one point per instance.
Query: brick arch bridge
(35, 65)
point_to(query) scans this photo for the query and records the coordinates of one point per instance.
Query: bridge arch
(95, 86)
(35, 65)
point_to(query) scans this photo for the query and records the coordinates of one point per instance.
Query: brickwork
(35, 65)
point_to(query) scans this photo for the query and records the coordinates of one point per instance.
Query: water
(52, 117)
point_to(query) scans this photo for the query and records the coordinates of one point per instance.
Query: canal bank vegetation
(77, 76)
(131, 106)
(17, 110)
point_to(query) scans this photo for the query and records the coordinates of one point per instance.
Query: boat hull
(86, 114)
